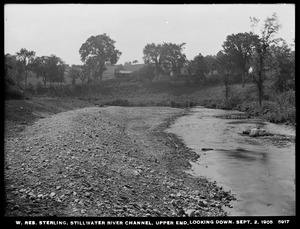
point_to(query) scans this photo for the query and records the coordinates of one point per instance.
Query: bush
(30, 88)
(145, 74)
(233, 102)
(13, 93)
(281, 116)
(12, 90)
(118, 102)
(286, 98)
(40, 88)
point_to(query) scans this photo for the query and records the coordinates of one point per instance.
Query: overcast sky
(62, 29)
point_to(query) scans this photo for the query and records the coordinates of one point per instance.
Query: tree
(146, 73)
(86, 75)
(75, 73)
(56, 69)
(173, 57)
(187, 70)
(198, 68)
(282, 62)
(261, 49)
(153, 55)
(226, 67)
(240, 47)
(50, 68)
(166, 58)
(27, 58)
(95, 52)
(40, 68)
(210, 62)
(13, 68)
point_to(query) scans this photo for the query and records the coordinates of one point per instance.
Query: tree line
(18, 67)
(245, 56)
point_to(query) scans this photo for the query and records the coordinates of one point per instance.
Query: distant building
(122, 73)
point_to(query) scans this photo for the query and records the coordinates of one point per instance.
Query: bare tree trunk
(260, 92)
(226, 87)
(260, 84)
(25, 79)
(243, 79)
(157, 72)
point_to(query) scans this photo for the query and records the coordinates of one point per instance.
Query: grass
(278, 108)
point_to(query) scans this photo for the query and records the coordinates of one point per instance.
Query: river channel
(259, 171)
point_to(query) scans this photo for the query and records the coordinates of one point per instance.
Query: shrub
(286, 98)
(30, 88)
(13, 93)
(145, 74)
(118, 102)
(40, 88)
(12, 90)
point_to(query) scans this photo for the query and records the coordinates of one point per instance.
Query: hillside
(277, 108)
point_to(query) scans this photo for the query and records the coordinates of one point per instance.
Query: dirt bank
(104, 161)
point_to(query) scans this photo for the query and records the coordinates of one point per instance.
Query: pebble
(183, 201)
(40, 195)
(52, 194)
(203, 203)
(30, 194)
(16, 207)
(181, 212)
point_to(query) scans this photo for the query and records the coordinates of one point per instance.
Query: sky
(61, 29)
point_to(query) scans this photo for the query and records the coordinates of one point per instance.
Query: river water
(259, 171)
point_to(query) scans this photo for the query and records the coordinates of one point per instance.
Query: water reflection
(260, 171)
(246, 155)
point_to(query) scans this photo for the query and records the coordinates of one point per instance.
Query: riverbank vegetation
(254, 72)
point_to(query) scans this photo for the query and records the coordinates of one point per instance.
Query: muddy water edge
(259, 171)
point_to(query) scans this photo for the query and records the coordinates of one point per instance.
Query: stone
(247, 131)
(178, 194)
(203, 203)
(30, 194)
(40, 196)
(181, 212)
(190, 212)
(16, 207)
(52, 194)
(258, 132)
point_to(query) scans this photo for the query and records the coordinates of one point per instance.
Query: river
(259, 171)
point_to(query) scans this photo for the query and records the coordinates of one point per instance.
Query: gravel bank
(105, 161)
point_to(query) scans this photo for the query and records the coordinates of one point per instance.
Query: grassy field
(278, 108)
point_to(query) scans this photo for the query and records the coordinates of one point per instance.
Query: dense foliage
(95, 52)
(259, 59)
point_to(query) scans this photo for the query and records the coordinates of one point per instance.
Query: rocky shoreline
(106, 161)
